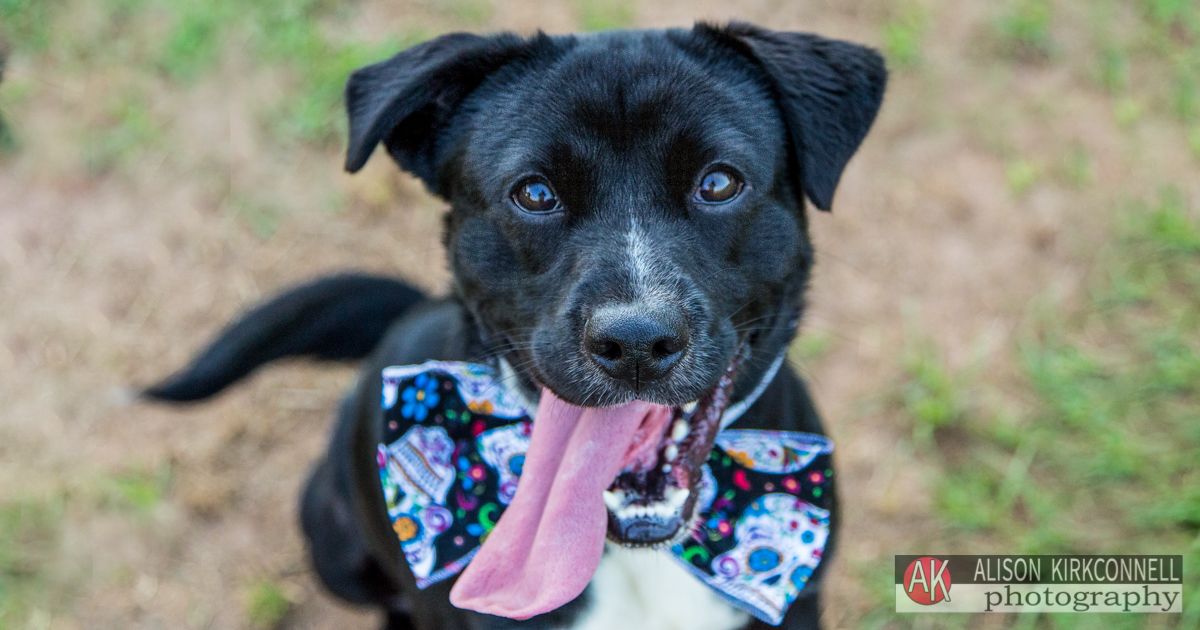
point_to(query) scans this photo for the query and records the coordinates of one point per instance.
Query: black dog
(627, 222)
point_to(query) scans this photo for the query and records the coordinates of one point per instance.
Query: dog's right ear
(407, 101)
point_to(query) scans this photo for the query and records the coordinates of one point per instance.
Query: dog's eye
(719, 186)
(535, 195)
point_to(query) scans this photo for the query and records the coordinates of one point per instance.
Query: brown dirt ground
(107, 282)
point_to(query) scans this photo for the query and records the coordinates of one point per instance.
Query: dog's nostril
(664, 348)
(607, 350)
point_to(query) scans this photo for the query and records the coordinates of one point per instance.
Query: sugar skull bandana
(454, 442)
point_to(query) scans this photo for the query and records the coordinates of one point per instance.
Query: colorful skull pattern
(476, 384)
(778, 452)
(419, 474)
(779, 544)
(453, 448)
(763, 520)
(504, 450)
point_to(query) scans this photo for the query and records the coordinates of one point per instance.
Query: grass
(135, 489)
(261, 216)
(468, 12)
(130, 131)
(281, 36)
(812, 345)
(1113, 68)
(193, 45)
(266, 605)
(1104, 460)
(1024, 27)
(313, 113)
(1021, 175)
(1185, 85)
(1164, 34)
(1128, 111)
(171, 45)
(1173, 31)
(8, 139)
(604, 15)
(903, 36)
(286, 35)
(26, 23)
(931, 396)
(1169, 14)
(36, 578)
(1077, 168)
(29, 538)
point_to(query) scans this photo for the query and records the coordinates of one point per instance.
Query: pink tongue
(547, 544)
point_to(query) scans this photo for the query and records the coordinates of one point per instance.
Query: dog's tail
(334, 318)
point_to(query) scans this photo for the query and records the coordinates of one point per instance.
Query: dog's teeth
(666, 468)
(673, 499)
(679, 430)
(614, 500)
(677, 496)
(671, 452)
(690, 407)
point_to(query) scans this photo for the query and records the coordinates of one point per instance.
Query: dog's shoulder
(439, 330)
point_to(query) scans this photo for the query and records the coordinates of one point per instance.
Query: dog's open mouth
(653, 498)
(630, 473)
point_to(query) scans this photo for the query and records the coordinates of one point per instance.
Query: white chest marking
(646, 589)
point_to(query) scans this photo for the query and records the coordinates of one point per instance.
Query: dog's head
(627, 213)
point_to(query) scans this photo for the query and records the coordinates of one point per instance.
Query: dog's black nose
(636, 345)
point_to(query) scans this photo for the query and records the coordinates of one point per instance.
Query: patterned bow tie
(454, 442)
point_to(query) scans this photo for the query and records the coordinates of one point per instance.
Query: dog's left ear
(829, 92)
(408, 101)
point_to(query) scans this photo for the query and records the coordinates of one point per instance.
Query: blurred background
(1004, 332)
